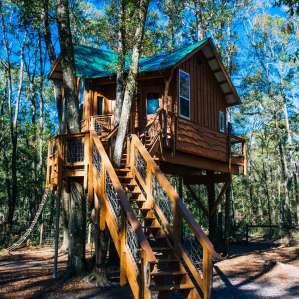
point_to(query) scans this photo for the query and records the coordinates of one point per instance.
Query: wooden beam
(201, 205)
(205, 179)
(199, 162)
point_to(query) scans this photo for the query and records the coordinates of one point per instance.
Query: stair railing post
(86, 160)
(207, 273)
(145, 276)
(148, 183)
(90, 190)
(123, 249)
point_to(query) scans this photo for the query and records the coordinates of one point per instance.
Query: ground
(261, 270)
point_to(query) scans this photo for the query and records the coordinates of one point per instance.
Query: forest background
(258, 42)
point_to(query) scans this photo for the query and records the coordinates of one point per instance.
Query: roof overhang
(211, 55)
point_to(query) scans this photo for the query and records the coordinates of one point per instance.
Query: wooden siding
(207, 98)
(200, 136)
(205, 142)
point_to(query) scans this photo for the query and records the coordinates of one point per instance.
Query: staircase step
(153, 227)
(123, 170)
(166, 288)
(134, 194)
(168, 273)
(125, 177)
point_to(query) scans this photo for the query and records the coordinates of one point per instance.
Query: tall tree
(72, 122)
(131, 82)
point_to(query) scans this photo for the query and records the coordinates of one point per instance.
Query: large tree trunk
(72, 118)
(72, 122)
(131, 85)
(120, 80)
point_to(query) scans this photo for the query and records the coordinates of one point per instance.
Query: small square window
(221, 122)
(152, 103)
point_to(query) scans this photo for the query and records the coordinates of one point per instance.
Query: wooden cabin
(187, 91)
(179, 126)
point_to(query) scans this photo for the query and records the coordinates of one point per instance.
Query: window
(184, 94)
(221, 122)
(100, 105)
(81, 91)
(152, 103)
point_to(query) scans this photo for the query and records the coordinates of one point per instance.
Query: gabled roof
(92, 63)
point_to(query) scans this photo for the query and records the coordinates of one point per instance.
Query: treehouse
(178, 125)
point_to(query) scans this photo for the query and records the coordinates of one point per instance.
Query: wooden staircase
(163, 251)
(168, 275)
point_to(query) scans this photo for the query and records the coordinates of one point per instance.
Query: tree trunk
(131, 85)
(72, 122)
(76, 262)
(72, 118)
(120, 80)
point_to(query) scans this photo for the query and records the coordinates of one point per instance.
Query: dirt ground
(262, 270)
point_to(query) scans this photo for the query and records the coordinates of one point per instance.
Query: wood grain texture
(199, 141)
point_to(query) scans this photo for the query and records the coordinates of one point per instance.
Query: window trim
(221, 125)
(103, 104)
(187, 99)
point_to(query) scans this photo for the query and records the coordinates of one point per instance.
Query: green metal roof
(99, 63)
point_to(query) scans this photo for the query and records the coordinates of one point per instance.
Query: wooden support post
(57, 216)
(177, 217)
(227, 215)
(123, 249)
(207, 273)
(145, 277)
(97, 233)
(212, 216)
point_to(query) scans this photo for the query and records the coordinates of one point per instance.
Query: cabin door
(151, 102)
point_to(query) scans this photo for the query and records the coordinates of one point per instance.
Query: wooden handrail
(127, 209)
(129, 268)
(172, 194)
(179, 213)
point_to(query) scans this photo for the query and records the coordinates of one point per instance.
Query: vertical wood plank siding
(200, 135)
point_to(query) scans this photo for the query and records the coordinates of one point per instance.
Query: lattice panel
(74, 151)
(96, 158)
(133, 243)
(113, 199)
(162, 199)
(140, 164)
(192, 246)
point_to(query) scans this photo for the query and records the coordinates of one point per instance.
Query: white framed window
(184, 94)
(221, 121)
